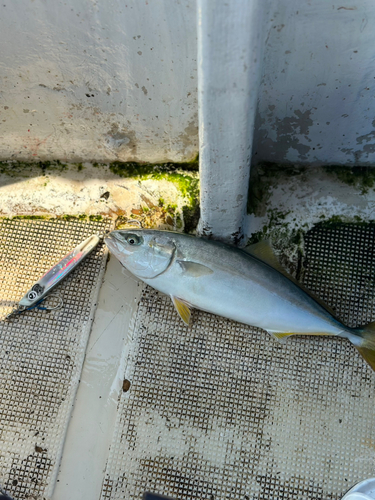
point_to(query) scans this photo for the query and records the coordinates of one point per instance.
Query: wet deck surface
(222, 411)
(215, 411)
(41, 353)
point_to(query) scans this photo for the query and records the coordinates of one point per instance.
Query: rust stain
(34, 143)
(369, 443)
(126, 385)
(148, 201)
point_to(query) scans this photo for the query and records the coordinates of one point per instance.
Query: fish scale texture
(219, 410)
(41, 353)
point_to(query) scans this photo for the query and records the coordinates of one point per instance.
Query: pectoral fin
(194, 269)
(182, 308)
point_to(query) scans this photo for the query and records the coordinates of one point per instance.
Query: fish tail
(364, 340)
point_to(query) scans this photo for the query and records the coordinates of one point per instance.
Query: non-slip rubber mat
(219, 410)
(41, 353)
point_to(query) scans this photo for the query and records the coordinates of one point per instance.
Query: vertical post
(230, 39)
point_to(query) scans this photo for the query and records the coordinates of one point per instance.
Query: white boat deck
(215, 411)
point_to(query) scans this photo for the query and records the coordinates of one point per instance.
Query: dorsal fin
(263, 251)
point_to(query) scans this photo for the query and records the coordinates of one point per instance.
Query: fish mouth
(112, 236)
(109, 240)
(116, 245)
(112, 242)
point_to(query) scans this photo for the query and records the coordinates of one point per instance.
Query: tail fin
(367, 345)
(368, 355)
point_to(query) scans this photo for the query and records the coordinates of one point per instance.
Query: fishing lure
(53, 276)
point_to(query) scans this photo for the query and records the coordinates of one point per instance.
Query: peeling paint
(314, 64)
(119, 139)
(291, 132)
(190, 135)
(285, 201)
(367, 137)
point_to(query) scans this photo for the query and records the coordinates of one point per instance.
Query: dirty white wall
(98, 80)
(317, 97)
(230, 54)
(106, 80)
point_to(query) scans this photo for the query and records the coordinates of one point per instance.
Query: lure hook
(134, 221)
(20, 309)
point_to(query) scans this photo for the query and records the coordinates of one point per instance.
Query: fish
(249, 287)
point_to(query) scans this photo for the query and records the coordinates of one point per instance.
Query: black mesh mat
(41, 353)
(221, 411)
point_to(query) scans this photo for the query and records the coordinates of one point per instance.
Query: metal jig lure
(38, 292)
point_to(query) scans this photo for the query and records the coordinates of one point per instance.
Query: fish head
(145, 253)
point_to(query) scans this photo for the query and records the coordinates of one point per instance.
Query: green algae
(17, 168)
(360, 177)
(186, 184)
(182, 174)
(29, 217)
(265, 176)
(191, 217)
(140, 169)
(81, 217)
(96, 218)
(122, 169)
(52, 218)
(69, 217)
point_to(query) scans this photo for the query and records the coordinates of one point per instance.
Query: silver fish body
(225, 281)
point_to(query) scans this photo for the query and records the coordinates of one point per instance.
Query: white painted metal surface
(299, 201)
(229, 64)
(210, 399)
(316, 103)
(89, 190)
(220, 410)
(90, 431)
(96, 81)
(115, 80)
(42, 352)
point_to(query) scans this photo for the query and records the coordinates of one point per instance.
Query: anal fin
(282, 336)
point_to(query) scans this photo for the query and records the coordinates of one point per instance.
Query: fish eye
(133, 239)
